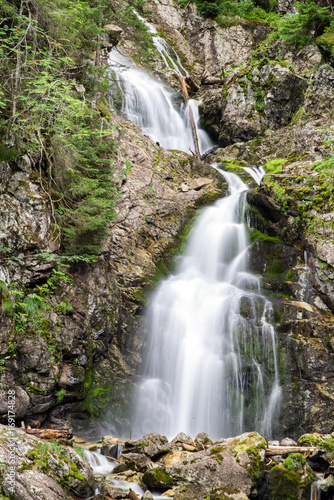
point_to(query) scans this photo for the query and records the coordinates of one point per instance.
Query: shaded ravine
(211, 361)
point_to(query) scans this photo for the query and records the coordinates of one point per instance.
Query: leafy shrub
(309, 22)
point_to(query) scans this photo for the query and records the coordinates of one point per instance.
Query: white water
(156, 108)
(211, 357)
(168, 54)
(101, 465)
(98, 462)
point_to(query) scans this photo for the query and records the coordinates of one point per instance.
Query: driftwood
(212, 81)
(191, 116)
(206, 79)
(286, 450)
(49, 433)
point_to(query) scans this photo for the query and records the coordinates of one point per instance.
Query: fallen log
(191, 116)
(287, 450)
(212, 81)
(49, 433)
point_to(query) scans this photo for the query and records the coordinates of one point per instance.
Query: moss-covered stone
(283, 483)
(159, 478)
(326, 42)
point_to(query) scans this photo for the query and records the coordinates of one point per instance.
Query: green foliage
(60, 395)
(31, 308)
(6, 305)
(326, 166)
(136, 29)
(48, 89)
(80, 451)
(309, 22)
(249, 9)
(274, 166)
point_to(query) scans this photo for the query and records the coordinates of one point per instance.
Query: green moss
(325, 443)
(283, 483)
(257, 235)
(295, 462)
(158, 478)
(253, 445)
(223, 493)
(290, 275)
(274, 166)
(326, 42)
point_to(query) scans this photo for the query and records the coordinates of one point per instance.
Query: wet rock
(134, 461)
(71, 376)
(114, 34)
(229, 463)
(158, 477)
(153, 445)
(147, 495)
(202, 441)
(288, 442)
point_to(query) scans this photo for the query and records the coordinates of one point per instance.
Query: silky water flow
(211, 354)
(155, 107)
(211, 362)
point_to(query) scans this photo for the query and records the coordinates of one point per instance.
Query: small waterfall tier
(156, 108)
(211, 350)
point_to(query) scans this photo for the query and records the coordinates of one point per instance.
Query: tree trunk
(191, 116)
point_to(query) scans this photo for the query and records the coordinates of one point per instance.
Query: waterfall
(211, 361)
(211, 354)
(155, 107)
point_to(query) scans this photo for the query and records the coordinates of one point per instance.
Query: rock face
(305, 320)
(78, 349)
(86, 314)
(26, 221)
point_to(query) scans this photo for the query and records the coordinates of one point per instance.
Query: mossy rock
(274, 166)
(326, 42)
(324, 442)
(158, 478)
(225, 493)
(284, 484)
(254, 445)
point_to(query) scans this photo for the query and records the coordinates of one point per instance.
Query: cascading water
(211, 357)
(156, 108)
(168, 55)
(153, 106)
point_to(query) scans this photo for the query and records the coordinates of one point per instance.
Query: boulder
(43, 470)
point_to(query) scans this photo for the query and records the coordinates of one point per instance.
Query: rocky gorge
(72, 331)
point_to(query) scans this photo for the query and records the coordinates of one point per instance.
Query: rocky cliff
(71, 341)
